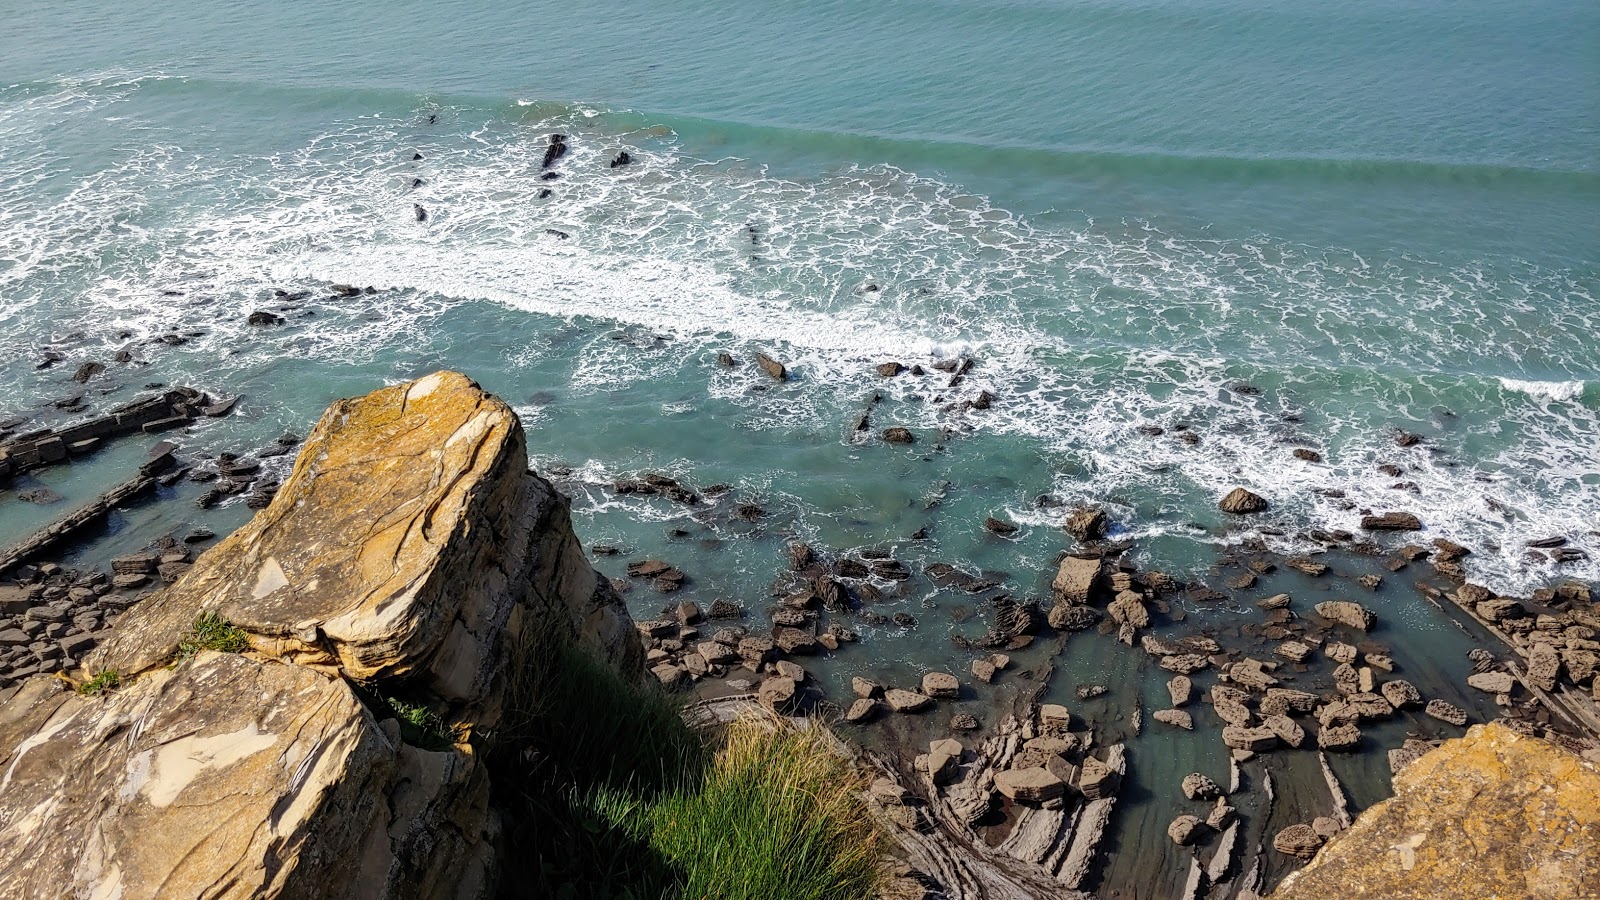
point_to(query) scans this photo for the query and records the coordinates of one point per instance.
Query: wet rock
(1185, 663)
(890, 369)
(903, 701)
(1346, 612)
(1344, 736)
(898, 435)
(724, 609)
(1097, 780)
(1076, 579)
(772, 367)
(1307, 566)
(1295, 651)
(1276, 601)
(1492, 682)
(1072, 617)
(1300, 841)
(983, 670)
(1544, 666)
(1242, 502)
(1307, 455)
(778, 692)
(904, 620)
(1087, 524)
(1184, 830)
(941, 686)
(1181, 689)
(262, 318)
(1286, 729)
(1255, 740)
(1175, 717)
(87, 371)
(793, 641)
(1401, 694)
(1392, 521)
(1250, 673)
(1128, 609)
(1032, 785)
(1403, 438)
(996, 526)
(1198, 787)
(40, 496)
(964, 722)
(621, 159)
(862, 710)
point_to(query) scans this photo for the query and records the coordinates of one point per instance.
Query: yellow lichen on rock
(1494, 815)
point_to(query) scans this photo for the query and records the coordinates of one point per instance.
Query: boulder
(866, 687)
(1198, 787)
(778, 692)
(1128, 609)
(1180, 689)
(1343, 736)
(1076, 579)
(907, 701)
(1446, 712)
(1401, 694)
(1086, 523)
(941, 686)
(1492, 682)
(898, 435)
(1255, 740)
(1032, 785)
(1242, 502)
(1072, 617)
(862, 710)
(772, 367)
(1184, 830)
(1097, 780)
(1392, 521)
(1301, 841)
(1174, 717)
(1286, 729)
(1347, 612)
(1493, 814)
(983, 670)
(1544, 666)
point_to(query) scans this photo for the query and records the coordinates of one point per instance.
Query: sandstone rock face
(1075, 579)
(410, 545)
(1242, 502)
(398, 501)
(1033, 785)
(1493, 814)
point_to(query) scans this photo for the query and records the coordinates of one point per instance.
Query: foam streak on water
(1084, 333)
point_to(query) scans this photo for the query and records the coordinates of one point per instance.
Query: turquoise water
(1381, 215)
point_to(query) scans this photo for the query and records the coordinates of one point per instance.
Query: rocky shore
(410, 547)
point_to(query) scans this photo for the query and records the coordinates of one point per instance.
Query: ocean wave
(1545, 390)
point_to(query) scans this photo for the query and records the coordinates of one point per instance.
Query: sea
(1176, 240)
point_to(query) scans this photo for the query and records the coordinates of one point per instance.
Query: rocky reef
(1492, 814)
(376, 610)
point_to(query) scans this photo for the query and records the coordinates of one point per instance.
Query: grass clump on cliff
(616, 797)
(777, 816)
(109, 680)
(420, 726)
(212, 632)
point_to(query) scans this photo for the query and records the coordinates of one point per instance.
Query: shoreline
(820, 593)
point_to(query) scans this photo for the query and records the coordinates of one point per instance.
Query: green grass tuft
(421, 726)
(615, 797)
(108, 680)
(212, 632)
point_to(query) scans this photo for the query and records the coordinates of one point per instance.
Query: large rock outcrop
(1492, 814)
(410, 554)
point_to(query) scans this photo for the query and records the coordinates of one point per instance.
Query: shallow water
(1375, 216)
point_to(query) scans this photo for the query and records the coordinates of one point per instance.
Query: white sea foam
(1084, 333)
(1545, 390)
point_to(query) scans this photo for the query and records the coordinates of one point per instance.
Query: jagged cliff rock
(409, 553)
(1492, 814)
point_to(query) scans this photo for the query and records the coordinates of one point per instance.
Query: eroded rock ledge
(407, 555)
(1492, 814)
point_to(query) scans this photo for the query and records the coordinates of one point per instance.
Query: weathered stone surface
(1180, 689)
(1072, 617)
(862, 710)
(1184, 830)
(1128, 609)
(1241, 502)
(1347, 612)
(941, 686)
(1344, 736)
(1198, 787)
(1175, 717)
(1253, 739)
(1297, 840)
(1445, 711)
(1392, 521)
(1076, 579)
(1401, 694)
(1492, 682)
(1033, 785)
(1493, 814)
(289, 793)
(1097, 780)
(454, 536)
(410, 545)
(907, 701)
(1286, 729)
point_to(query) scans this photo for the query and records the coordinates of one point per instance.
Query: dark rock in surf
(1242, 502)
(1392, 521)
(556, 150)
(898, 435)
(620, 160)
(89, 370)
(262, 318)
(419, 212)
